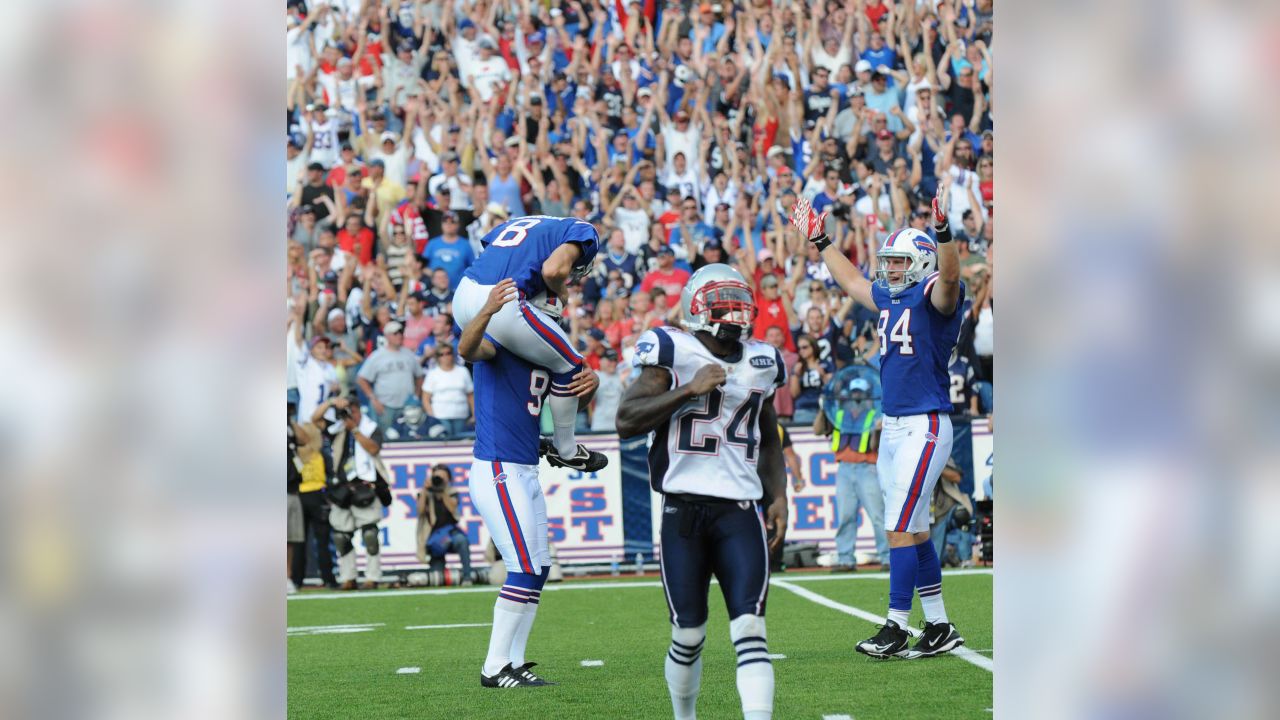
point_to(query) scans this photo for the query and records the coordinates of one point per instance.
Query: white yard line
(597, 585)
(837, 717)
(592, 663)
(308, 628)
(442, 627)
(409, 671)
(963, 653)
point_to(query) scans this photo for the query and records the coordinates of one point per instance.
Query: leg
(847, 522)
(498, 493)
(686, 577)
(938, 532)
(316, 516)
(373, 565)
(741, 561)
(542, 560)
(459, 544)
(871, 497)
(346, 558)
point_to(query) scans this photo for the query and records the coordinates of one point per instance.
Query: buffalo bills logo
(501, 479)
(930, 437)
(762, 361)
(925, 246)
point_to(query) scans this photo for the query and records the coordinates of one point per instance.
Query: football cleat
(584, 461)
(937, 638)
(524, 673)
(889, 642)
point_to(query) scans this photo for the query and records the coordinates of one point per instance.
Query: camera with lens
(840, 211)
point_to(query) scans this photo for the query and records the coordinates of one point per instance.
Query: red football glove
(809, 223)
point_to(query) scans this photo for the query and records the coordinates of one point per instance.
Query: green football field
(388, 655)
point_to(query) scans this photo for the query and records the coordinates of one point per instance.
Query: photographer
(952, 515)
(358, 489)
(438, 531)
(308, 468)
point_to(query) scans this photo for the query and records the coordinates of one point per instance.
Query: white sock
(934, 609)
(373, 568)
(755, 670)
(684, 670)
(347, 567)
(506, 618)
(564, 416)
(899, 617)
(521, 638)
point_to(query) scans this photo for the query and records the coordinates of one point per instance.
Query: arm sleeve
(655, 347)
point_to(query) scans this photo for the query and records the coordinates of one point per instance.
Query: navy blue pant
(701, 539)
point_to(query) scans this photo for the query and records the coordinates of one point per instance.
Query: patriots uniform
(704, 460)
(712, 444)
(916, 342)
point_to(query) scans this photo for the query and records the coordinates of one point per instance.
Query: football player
(504, 483)
(541, 254)
(917, 292)
(705, 394)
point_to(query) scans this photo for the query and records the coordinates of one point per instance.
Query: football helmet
(718, 300)
(920, 251)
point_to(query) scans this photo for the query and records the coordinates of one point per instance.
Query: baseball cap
(765, 254)
(450, 156)
(783, 78)
(713, 244)
(682, 115)
(862, 66)
(704, 8)
(535, 37)
(855, 91)
(512, 141)
(884, 135)
(769, 280)
(487, 43)
(644, 92)
(377, 162)
(535, 100)
(494, 208)
(666, 250)
(776, 150)
(466, 23)
(556, 12)
(392, 327)
(609, 354)
(344, 61)
(336, 313)
(388, 136)
(320, 339)
(308, 208)
(450, 216)
(857, 384)
(596, 333)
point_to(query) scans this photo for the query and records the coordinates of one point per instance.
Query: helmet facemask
(725, 308)
(911, 274)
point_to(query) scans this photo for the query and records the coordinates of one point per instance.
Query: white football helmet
(717, 299)
(920, 251)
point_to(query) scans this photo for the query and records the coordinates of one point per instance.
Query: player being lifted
(541, 254)
(504, 482)
(918, 293)
(715, 454)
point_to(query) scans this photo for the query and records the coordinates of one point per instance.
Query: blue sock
(929, 583)
(902, 583)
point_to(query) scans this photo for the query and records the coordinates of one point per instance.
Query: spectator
(808, 376)
(417, 324)
(389, 376)
(773, 311)
(604, 405)
(783, 401)
(355, 239)
(310, 463)
(667, 276)
(447, 392)
(449, 251)
(439, 297)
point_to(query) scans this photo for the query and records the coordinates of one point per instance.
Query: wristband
(821, 242)
(944, 234)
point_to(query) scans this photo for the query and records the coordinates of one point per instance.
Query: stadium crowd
(684, 132)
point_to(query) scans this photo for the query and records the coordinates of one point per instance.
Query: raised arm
(844, 272)
(473, 346)
(946, 289)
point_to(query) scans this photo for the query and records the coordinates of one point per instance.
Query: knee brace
(686, 644)
(748, 635)
(342, 541)
(370, 535)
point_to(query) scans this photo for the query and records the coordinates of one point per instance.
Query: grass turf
(353, 675)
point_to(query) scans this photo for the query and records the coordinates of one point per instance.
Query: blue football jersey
(508, 394)
(916, 342)
(517, 249)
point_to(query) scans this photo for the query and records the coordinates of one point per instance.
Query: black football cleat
(937, 638)
(891, 641)
(584, 461)
(505, 678)
(530, 679)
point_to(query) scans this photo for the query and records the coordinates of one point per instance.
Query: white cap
(862, 66)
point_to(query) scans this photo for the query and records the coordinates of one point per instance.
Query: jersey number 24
(742, 429)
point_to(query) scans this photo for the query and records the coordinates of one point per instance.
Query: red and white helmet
(716, 298)
(920, 251)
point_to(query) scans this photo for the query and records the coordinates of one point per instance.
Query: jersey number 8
(515, 232)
